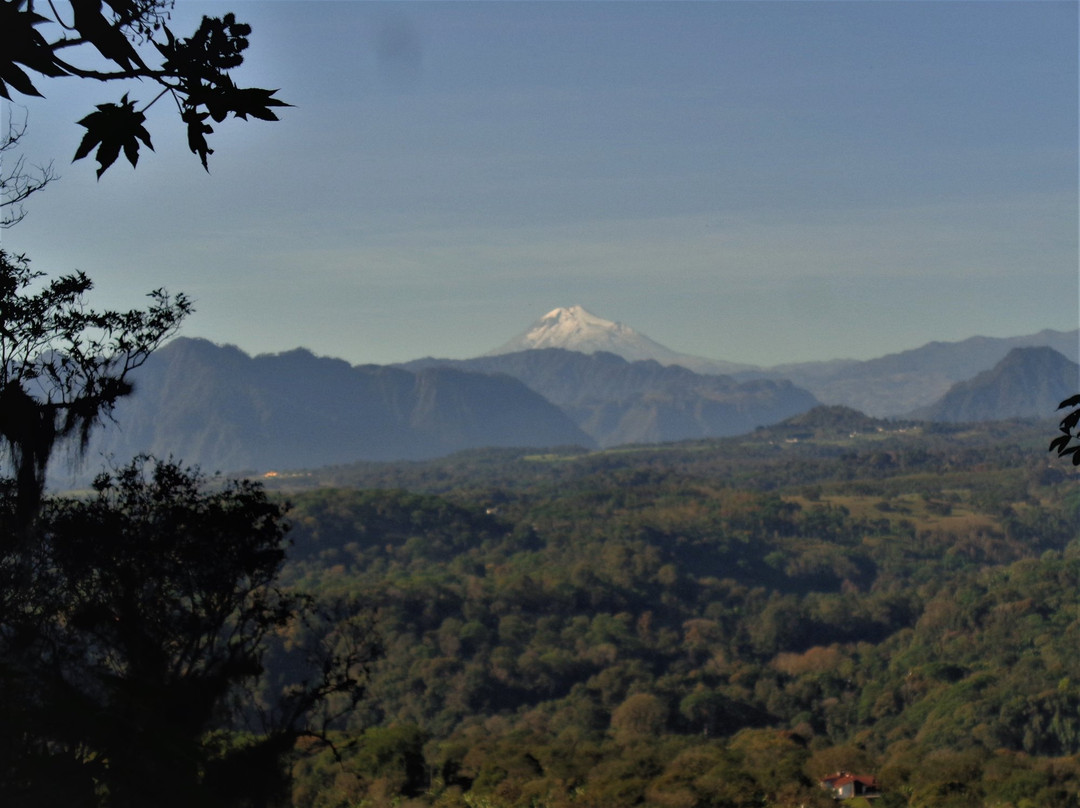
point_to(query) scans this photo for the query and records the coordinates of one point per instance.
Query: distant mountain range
(896, 384)
(1026, 381)
(889, 386)
(224, 410)
(565, 384)
(615, 401)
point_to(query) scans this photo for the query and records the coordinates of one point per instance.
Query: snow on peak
(572, 328)
(567, 327)
(575, 329)
(577, 314)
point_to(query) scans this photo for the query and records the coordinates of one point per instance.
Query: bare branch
(19, 181)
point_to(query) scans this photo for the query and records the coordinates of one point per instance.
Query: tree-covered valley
(659, 607)
(705, 624)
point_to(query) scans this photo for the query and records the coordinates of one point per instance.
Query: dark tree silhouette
(64, 366)
(129, 42)
(1068, 442)
(154, 604)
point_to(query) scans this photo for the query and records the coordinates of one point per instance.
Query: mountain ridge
(220, 408)
(892, 385)
(1029, 380)
(617, 401)
(895, 384)
(887, 386)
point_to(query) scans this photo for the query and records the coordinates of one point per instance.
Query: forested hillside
(717, 623)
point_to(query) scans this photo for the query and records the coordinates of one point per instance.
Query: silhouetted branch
(194, 69)
(18, 181)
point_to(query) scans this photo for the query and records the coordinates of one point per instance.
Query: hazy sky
(758, 182)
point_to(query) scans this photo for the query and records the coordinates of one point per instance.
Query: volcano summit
(575, 329)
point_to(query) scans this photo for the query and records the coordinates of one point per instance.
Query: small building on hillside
(845, 785)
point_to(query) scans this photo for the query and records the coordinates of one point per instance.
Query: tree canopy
(715, 623)
(141, 631)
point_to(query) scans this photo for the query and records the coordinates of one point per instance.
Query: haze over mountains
(888, 386)
(616, 401)
(899, 383)
(571, 379)
(217, 407)
(1027, 380)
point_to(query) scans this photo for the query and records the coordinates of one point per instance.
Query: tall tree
(64, 366)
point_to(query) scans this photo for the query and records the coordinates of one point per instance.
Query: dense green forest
(714, 623)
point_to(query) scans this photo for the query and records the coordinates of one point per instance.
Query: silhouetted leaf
(112, 128)
(107, 37)
(1069, 422)
(1074, 401)
(11, 75)
(21, 43)
(226, 98)
(1059, 443)
(193, 71)
(197, 130)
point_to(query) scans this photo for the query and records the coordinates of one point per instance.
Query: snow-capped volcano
(575, 329)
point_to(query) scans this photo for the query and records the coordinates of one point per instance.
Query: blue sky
(759, 182)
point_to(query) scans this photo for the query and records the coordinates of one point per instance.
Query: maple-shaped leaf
(227, 98)
(112, 128)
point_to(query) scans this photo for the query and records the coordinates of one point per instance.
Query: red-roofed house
(845, 785)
